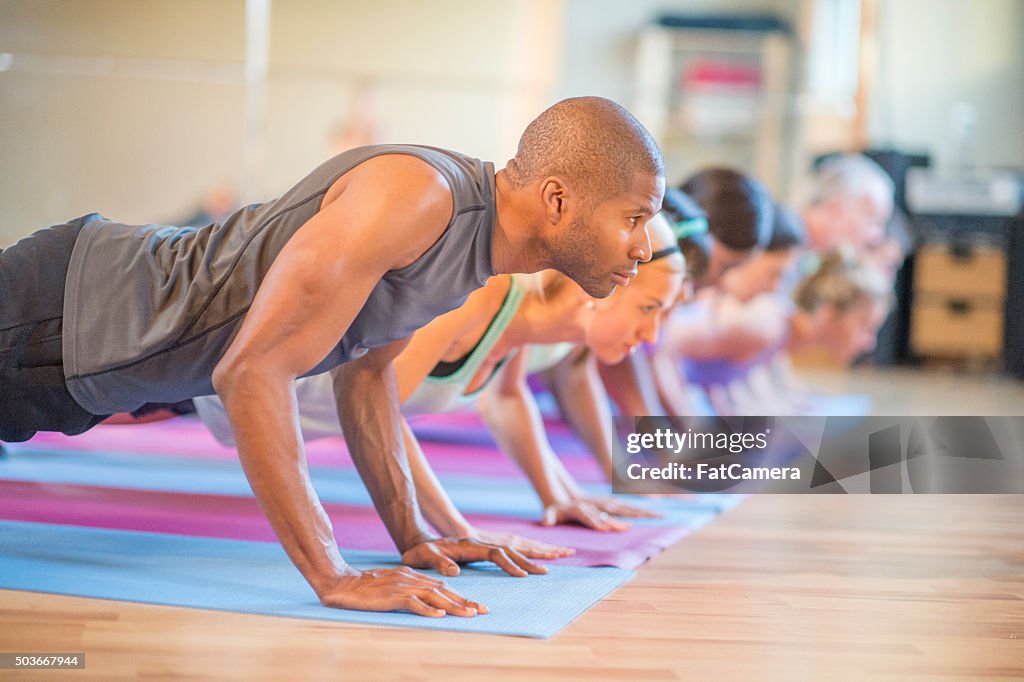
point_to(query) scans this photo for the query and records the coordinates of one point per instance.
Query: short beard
(574, 255)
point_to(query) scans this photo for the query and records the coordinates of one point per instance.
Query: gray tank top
(150, 309)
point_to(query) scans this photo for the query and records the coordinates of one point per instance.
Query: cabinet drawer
(957, 327)
(981, 272)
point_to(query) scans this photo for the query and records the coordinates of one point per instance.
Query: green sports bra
(447, 392)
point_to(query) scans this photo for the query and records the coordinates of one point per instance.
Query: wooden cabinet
(959, 301)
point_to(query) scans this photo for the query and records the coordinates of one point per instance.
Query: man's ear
(554, 193)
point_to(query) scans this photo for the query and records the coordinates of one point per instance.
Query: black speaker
(1014, 319)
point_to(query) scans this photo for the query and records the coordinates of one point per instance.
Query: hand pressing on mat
(533, 549)
(610, 505)
(397, 589)
(445, 555)
(583, 513)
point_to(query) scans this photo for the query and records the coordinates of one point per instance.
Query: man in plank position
(98, 317)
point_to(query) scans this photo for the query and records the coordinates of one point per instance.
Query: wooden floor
(937, 391)
(783, 587)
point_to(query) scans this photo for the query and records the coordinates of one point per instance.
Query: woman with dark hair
(765, 272)
(738, 210)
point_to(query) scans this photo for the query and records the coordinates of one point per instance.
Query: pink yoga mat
(183, 436)
(188, 437)
(232, 517)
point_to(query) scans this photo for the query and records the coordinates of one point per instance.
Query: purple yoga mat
(240, 518)
(467, 427)
(188, 437)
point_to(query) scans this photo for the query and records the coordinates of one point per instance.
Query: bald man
(97, 317)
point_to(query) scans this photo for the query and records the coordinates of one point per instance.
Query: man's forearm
(263, 420)
(367, 397)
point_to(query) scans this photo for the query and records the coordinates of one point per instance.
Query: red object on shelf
(707, 73)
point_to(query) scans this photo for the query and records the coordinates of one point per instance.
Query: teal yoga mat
(256, 577)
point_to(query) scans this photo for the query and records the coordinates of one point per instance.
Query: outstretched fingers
(513, 563)
(399, 589)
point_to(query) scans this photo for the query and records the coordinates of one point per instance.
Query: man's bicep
(302, 309)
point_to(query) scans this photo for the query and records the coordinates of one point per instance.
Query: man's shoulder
(409, 184)
(438, 157)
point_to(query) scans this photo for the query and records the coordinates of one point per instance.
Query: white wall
(934, 53)
(460, 74)
(81, 132)
(135, 108)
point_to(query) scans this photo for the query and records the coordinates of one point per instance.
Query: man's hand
(397, 589)
(533, 549)
(611, 505)
(445, 555)
(583, 513)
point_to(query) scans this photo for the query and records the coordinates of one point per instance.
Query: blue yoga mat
(257, 577)
(471, 494)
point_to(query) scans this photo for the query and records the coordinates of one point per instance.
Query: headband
(690, 227)
(662, 253)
